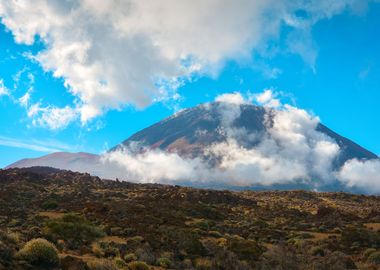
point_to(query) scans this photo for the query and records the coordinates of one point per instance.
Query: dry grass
(114, 239)
(51, 214)
(372, 226)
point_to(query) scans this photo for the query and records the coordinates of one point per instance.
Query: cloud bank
(364, 175)
(291, 151)
(112, 53)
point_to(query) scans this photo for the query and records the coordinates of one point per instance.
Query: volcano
(192, 130)
(190, 134)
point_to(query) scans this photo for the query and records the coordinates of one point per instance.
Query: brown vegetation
(98, 224)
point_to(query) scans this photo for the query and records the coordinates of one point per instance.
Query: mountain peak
(189, 131)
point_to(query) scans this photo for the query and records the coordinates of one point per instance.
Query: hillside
(101, 224)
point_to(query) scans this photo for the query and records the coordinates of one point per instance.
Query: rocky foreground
(91, 223)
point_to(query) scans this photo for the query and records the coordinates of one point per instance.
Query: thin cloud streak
(34, 145)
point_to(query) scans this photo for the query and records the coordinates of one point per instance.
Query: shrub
(280, 257)
(304, 235)
(49, 204)
(374, 258)
(120, 263)
(368, 252)
(109, 250)
(203, 264)
(202, 224)
(6, 253)
(317, 251)
(97, 264)
(74, 229)
(39, 252)
(335, 260)
(164, 262)
(138, 265)
(130, 257)
(245, 249)
(225, 259)
(135, 242)
(8, 245)
(215, 234)
(146, 254)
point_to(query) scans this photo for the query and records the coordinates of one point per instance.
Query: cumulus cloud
(111, 53)
(231, 98)
(267, 98)
(51, 117)
(364, 175)
(290, 151)
(154, 166)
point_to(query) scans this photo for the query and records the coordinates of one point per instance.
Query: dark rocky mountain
(191, 130)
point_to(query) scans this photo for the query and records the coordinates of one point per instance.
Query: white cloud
(47, 146)
(52, 117)
(163, 167)
(112, 53)
(268, 99)
(4, 91)
(231, 98)
(24, 100)
(364, 175)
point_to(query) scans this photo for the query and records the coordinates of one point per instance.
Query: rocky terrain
(52, 219)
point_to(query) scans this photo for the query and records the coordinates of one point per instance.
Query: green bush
(164, 262)
(49, 204)
(74, 229)
(138, 265)
(374, 258)
(39, 252)
(368, 252)
(120, 263)
(130, 257)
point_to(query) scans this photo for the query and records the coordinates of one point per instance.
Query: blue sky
(329, 67)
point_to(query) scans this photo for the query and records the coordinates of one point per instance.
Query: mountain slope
(79, 162)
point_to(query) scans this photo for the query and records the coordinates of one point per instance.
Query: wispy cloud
(4, 91)
(47, 146)
(51, 117)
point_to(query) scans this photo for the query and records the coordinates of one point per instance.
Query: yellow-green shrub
(138, 265)
(39, 252)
